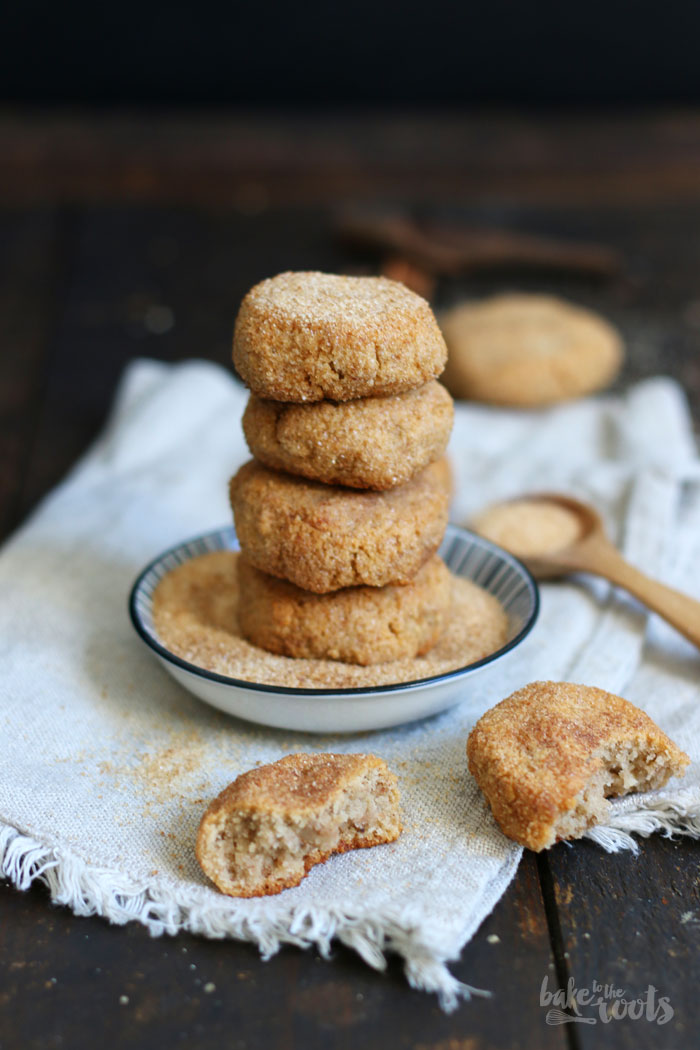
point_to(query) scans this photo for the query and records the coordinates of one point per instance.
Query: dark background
(551, 52)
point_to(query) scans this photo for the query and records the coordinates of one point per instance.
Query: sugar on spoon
(554, 534)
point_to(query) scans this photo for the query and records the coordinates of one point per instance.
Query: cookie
(528, 350)
(372, 443)
(324, 537)
(311, 336)
(528, 527)
(549, 756)
(272, 824)
(357, 625)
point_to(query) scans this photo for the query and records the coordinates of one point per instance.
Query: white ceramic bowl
(346, 710)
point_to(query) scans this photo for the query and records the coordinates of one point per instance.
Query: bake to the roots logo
(602, 1003)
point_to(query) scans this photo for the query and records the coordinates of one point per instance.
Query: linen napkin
(106, 764)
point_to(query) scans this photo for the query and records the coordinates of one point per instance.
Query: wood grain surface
(124, 236)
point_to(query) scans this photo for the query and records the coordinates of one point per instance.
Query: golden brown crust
(323, 538)
(296, 788)
(533, 753)
(308, 336)
(371, 443)
(358, 625)
(528, 350)
(296, 783)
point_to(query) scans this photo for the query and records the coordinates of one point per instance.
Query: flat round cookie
(265, 831)
(528, 350)
(323, 537)
(306, 336)
(357, 625)
(550, 755)
(371, 443)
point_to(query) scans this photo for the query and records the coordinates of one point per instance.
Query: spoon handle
(681, 611)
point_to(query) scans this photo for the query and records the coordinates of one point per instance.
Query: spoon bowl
(593, 552)
(561, 560)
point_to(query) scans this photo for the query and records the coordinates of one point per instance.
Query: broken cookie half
(549, 756)
(272, 824)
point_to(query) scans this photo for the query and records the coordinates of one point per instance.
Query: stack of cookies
(341, 512)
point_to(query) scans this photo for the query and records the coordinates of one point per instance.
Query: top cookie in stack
(342, 373)
(314, 336)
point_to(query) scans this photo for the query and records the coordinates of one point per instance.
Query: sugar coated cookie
(272, 824)
(549, 756)
(358, 625)
(371, 443)
(323, 538)
(310, 336)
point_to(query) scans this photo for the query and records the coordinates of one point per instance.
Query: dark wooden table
(123, 236)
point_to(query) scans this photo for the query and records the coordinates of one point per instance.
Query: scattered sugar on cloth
(107, 764)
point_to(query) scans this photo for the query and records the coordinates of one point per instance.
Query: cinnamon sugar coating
(528, 527)
(358, 625)
(528, 350)
(265, 831)
(196, 616)
(549, 756)
(308, 336)
(323, 538)
(370, 443)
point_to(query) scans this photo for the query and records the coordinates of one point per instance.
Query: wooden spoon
(593, 552)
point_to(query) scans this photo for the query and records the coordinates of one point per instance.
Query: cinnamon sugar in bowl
(184, 607)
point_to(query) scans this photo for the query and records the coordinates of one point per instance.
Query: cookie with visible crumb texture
(307, 336)
(528, 350)
(272, 824)
(549, 756)
(372, 443)
(357, 625)
(324, 537)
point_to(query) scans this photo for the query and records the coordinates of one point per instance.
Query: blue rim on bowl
(489, 566)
